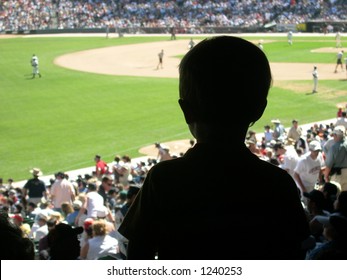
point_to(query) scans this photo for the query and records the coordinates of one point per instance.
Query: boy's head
(220, 74)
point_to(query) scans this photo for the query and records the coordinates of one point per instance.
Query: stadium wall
(310, 27)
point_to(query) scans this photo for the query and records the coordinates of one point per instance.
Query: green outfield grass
(59, 122)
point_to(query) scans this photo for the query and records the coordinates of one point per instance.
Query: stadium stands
(186, 16)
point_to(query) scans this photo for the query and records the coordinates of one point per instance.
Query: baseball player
(339, 61)
(315, 79)
(35, 64)
(160, 56)
(191, 44)
(260, 45)
(290, 37)
(338, 40)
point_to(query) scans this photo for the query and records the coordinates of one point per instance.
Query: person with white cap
(331, 141)
(309, 169)
(279, 132)
(34, 189)
(342, 120)
(336, 159)
(42, 229)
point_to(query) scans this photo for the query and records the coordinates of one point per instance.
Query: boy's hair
(221, 73)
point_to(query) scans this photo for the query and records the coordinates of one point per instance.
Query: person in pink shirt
(62, 190)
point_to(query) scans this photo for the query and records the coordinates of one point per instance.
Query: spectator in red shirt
(101, 167)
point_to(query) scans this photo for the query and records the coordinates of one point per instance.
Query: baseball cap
(17, 217)
(42, 216)
(339, 130)
(102, 212)
(77, 204)
(87, 223)
(314, 146)
(12, 191)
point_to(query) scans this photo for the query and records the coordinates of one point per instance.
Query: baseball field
(104, 96)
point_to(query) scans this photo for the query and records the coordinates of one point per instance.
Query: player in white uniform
(191, 44)
(315, 79)
(339, 61)
(290, 37)
(338, 40)
(160, 56)
(35, 64)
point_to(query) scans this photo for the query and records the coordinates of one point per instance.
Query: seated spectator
(42, 229)
(330, 192)
(340, 204)
(104, 214)
(18, 220)
(66, 209)
(112, 231)
(335, 245)
(71, 217)
(32, 210)
(131, 194)
(86, 234)
(315, 203)
(101, 244)
(43, 248)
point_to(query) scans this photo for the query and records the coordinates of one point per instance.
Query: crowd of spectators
(37, 218)
(186, 16)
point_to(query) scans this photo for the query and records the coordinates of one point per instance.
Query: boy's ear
(187, 111)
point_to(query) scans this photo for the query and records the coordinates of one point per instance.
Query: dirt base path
(142, 60)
